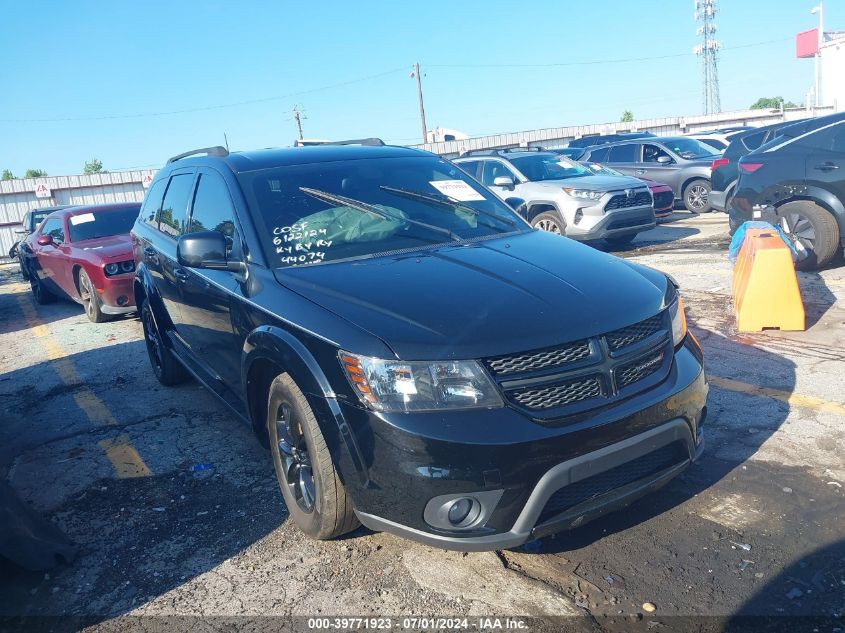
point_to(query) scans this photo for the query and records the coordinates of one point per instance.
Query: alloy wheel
(296, 462)
(86, 293)
(548, 225)
(800, 232)
(697, 197)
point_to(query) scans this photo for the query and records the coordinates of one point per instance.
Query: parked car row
(416, 357)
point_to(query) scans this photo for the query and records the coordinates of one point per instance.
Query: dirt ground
(176, 511)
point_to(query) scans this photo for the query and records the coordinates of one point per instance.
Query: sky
(132, 83)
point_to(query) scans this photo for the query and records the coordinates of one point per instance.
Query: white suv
(562, 196)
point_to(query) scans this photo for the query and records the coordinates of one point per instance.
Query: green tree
(35, 173)
(7, 175)
(627, 116)
(93, 166)
(772, 103)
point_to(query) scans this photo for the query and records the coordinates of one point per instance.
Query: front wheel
(550, 223)
(813, 232)
(313, 493)
(91, 300)
(696, 196)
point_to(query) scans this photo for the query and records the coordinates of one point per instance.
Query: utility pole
(298, 115)
(818, 84)
(416, 73)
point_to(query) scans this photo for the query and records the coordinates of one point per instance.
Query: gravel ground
(756, 527)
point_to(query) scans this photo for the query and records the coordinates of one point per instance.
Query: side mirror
(205, 249)
(664, 160)
(503, 181)
(45, 240)
(517, 204)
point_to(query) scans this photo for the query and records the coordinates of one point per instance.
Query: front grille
(625, 336)
(642, 467)
(622, 201)
(664, 200)
(540, 360)
(559, 394)
(639, 369)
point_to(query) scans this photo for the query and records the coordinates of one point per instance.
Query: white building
(832, 62)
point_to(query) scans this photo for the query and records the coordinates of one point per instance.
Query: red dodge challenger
(85, 253)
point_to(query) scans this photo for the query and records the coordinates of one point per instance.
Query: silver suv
(562, 196)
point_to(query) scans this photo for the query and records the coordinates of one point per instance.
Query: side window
(753, 141)
(652, 152)
(152, 203)
(492, 169)
(174, 207)
(599, 155)
(54, 228)
(470, 167)
(213, 209)
(623, 154)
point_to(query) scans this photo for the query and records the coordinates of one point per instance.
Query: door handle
(640, 171)
(827, 167)
(181, 274)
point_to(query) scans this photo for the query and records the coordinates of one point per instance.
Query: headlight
(119, 267)
(391, 385)
(584, 193)
(679, 320)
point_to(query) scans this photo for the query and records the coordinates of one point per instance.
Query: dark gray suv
(681, 162)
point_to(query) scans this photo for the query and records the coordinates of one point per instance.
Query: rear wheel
(696, 196)
(549, 222)
(39, 292)
(90, 299)
(813, 232)
(620, 241)
(167, 369)
(311, 487)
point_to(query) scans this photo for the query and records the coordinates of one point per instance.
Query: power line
(604, 61)
(211, 107)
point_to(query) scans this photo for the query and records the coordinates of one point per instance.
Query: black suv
(416, 356)
(725, 169)
(797, 181)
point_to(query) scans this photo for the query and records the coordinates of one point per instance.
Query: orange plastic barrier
(765, 288)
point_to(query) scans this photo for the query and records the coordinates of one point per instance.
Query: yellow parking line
(797, 399)
(123, 457)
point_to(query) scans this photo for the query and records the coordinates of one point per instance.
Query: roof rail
(528, 148)
(502, 150)
(217, 150)
(377, 142)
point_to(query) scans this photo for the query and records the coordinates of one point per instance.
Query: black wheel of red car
(813, 232)
(696, 196)
(90, 299)
(39, 292)
(167, 369)
(314, 495)
(550, 223)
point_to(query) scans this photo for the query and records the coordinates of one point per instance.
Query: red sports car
(85, 253)
(664, 197)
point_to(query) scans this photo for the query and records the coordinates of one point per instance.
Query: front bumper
(410, 461)
(612, 224)
(117, 294)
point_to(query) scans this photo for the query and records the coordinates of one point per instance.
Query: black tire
(621, 241)
(812, 230)
(39, 292)
(314, 495)
(550, 222)
(166, 368)
(90, 299)
(696, 196)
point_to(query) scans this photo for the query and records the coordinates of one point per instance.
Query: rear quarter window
(152, 203)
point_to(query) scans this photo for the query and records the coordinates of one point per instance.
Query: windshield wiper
(447, 201)
(373, 210)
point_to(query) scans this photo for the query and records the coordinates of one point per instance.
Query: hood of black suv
(484, 299)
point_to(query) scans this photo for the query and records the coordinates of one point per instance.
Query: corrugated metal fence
(18, 196)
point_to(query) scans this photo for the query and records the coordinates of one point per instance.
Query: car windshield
(690, 148)
(548, 167)
(602, 170)
(36, 217)
(330, 211)
(94, 224)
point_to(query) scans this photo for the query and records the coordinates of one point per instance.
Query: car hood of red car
(111, 248)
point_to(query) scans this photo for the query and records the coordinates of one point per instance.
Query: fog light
(578, 215)
(460, 509)
(121, 300)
